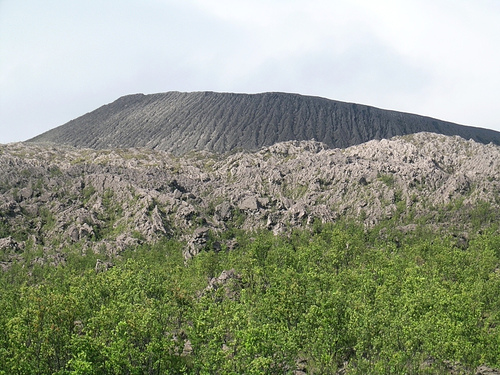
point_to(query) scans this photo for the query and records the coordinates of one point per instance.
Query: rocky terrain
(381, 257)
(55, 197)
(223, 122)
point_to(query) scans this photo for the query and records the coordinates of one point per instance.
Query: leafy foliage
(337, 297)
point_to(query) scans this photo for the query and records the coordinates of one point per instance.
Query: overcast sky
(60, 59)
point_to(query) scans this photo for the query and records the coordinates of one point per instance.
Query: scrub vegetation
(336, 296)
(381, 258)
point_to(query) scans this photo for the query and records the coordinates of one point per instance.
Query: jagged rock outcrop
(110, 200)
(196, 242)
(485, 370)
(221, 122)
(102, 266)
(229, 280)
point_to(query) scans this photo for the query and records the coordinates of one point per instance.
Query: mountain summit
(221, 122)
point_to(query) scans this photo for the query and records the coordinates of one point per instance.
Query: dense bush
(339, 296)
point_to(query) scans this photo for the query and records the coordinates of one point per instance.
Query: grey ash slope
(221, 122)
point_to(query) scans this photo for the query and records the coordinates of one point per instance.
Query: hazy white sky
(60, 59)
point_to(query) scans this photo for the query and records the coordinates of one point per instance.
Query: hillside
(124, 197)
(221, 122)
(379, 258)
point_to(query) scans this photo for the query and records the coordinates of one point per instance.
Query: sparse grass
(387, 179)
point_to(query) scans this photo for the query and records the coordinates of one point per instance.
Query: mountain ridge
(379, 257)
(221, 122)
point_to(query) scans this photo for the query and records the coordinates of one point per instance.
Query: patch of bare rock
(110, 200)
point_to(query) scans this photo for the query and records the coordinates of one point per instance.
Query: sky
(60, 59)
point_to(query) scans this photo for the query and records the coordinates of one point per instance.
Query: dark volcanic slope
(221, 122)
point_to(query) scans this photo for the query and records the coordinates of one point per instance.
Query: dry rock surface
(52, 197)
